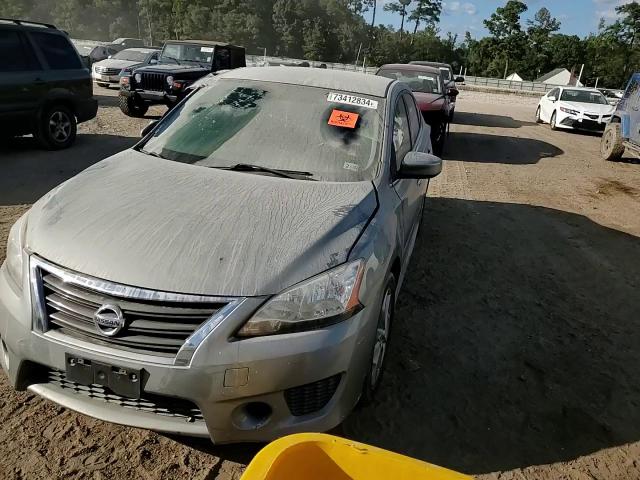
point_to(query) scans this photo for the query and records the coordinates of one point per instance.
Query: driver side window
(401, 133)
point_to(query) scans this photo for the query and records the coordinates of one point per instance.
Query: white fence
(508, 84)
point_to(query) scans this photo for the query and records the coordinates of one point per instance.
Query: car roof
(413, 67)
(203, 42)
(140, 49)
(431, 64)
(354, 82)
(27, 24)
(584, 89)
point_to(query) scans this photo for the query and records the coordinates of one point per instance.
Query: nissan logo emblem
(109, 320)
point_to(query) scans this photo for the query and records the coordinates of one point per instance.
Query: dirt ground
(515, 351)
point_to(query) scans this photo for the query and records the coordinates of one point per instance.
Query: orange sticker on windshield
(339, 118)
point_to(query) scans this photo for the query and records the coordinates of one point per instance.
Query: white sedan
(107, 71)
(574, 108)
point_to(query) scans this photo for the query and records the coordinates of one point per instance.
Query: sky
(578, 17)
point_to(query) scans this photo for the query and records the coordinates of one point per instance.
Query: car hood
(173, 68)
(588, 107)
(115, 63)
(163, 225)
(429, 101)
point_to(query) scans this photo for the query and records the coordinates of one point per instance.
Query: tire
(57, 128)
(612, 143)
(378, 352)
(131, 108)
(438, 140)
(538, 120)
(552, 122)
(103, 85)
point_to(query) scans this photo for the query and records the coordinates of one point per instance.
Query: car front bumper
(150, 96)
(582, 122)
(224, 380)
(97, 77)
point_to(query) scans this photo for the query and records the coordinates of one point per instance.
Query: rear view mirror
(148, 128)
(420, 165)
(453, 92)
(153, 61)
(552, 98)
(459, 79)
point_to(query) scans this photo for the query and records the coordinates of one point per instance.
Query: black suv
(181, 63)
(44, 87)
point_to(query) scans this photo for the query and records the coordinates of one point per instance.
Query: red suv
(433, 96)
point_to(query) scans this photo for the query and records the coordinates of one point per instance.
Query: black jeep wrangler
(181, 63)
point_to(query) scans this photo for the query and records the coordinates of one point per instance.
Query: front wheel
(552, 123)
(612, 143)
(57, 128)
(132, 108)
(378, 354)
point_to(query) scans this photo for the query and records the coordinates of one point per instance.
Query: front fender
(625, 123)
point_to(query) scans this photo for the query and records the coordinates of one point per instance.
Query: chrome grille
(151, 326)
(153, 81)
(107, 71)
(157, 404)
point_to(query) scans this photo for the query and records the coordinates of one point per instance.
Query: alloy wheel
(382, 337)
(59, 126)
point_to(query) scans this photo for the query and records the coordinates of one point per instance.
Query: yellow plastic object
(316, 456)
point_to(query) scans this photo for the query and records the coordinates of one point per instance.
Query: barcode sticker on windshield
(352, 100)
(206, 49)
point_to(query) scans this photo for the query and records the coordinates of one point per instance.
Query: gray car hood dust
(163, 225)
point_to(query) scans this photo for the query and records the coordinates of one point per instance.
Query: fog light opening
(252, 416)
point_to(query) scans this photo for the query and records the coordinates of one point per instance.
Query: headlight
(328, 298)
(15, 244)
(169, 80)
(138, 77)
(569, 111)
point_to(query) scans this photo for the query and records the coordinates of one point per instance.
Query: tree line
(346, 31)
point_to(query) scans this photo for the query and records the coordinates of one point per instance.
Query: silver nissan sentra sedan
(234, 274)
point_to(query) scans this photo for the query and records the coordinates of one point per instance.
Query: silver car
(234, 274)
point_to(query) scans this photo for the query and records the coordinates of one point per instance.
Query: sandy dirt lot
(515, 351)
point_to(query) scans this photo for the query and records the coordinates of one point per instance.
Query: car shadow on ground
(515, 341)
(485, 148)
(487, 120)
(28, 172)
(112, 101)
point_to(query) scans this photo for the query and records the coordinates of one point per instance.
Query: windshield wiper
(247, 167)
(152, 154)
(171, 58)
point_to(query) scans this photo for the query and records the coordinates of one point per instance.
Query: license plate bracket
(126, 382)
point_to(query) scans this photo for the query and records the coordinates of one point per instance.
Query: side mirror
(153, 61)
(459, 79)
(144, 132)
(453, 92)
(552, 99)
(109, 56)
(420, 165)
